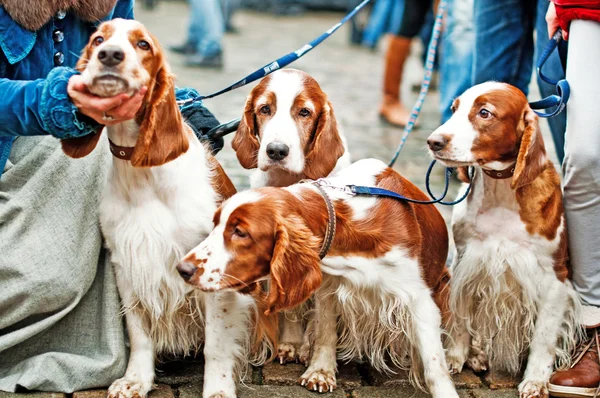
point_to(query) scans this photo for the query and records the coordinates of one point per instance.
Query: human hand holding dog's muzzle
(104, 110)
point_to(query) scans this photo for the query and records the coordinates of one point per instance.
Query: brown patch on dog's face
(485, 128)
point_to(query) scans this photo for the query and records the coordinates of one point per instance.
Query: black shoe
(232, 30)
(201, 61)
(185, 49)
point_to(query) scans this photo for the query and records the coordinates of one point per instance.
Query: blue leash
(562, 87)
(285, 60)
(375, 191)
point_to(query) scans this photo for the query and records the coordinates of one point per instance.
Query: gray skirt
(60, 323)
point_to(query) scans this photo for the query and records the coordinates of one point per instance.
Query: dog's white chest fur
(151, 218)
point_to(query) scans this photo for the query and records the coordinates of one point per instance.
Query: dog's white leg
(542, 350)
(427, 330)
(226, 333)
(292, 332)
(139, 376)
(458, 345)
(320, 375)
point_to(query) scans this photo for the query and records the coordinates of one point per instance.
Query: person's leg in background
(229, 7)
(378, 22)
(456, 53)
(581, 169)
(208, 26)
(392, 109)
(503, 41)
(554, 70)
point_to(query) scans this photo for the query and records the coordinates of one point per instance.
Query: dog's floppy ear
(245, 144)
(326, 146)
(162, 137)
(295, 266)
(532, 153)
(81, 146)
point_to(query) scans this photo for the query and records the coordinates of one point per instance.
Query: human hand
(552, 22)
(120, 108)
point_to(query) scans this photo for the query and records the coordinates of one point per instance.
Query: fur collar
(33, 14)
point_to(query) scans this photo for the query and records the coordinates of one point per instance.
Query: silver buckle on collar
(323, 182)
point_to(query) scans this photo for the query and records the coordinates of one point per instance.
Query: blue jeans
(554, 70)
(386, 16)
(504, 41)
(206, 26)
(456, 54)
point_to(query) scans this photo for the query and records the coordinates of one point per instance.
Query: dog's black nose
(186, 270)
(437, 142)
(111, 56)
(277, 150)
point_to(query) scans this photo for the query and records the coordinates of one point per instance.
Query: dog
(377, 287)
(510, 292)
(289, 133)
(162, 190)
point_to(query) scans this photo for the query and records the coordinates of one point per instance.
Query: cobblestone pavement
(352, 78)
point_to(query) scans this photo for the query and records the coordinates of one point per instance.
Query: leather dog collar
(121, 152)
(331, 223)
(500, 174)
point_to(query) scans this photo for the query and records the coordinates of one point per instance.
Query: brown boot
(583, 379)
(392, 109)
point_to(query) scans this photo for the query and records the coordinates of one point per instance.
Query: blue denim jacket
(34, 70)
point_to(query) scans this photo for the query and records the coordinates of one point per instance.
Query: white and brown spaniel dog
(380, 288)
(289, 133)
(161, 194)
(510, 293)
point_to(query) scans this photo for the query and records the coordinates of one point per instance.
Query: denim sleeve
(124, 9)
(41, 107)
(200, 119)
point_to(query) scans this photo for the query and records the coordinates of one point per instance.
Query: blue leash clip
(563, 90)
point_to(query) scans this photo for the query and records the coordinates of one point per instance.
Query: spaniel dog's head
(493, 127)
(288, 124)
(122, 57)
(258, 235)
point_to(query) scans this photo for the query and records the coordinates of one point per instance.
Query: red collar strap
(121, 152)
(500, 174)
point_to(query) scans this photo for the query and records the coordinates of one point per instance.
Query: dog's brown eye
(265, 110)
(98, 40)
(304, 112)
(239, 233)
(143, 44)
(485, 114)
(453, 109)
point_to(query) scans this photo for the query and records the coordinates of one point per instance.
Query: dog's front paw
(125, 388)
(533, 389)
(455, 364)
(287, 352)
(318, 380)
(477, 360)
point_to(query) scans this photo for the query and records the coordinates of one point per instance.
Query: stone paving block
(495, 394)
(397, 379)
(282, 392)
(501, 380)
(32, 395)
(396, 392)
(159, 391)
(180, 372)
(467, 379)
(190, 390)
(282, 375)
(287, 375)
(90, 394)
